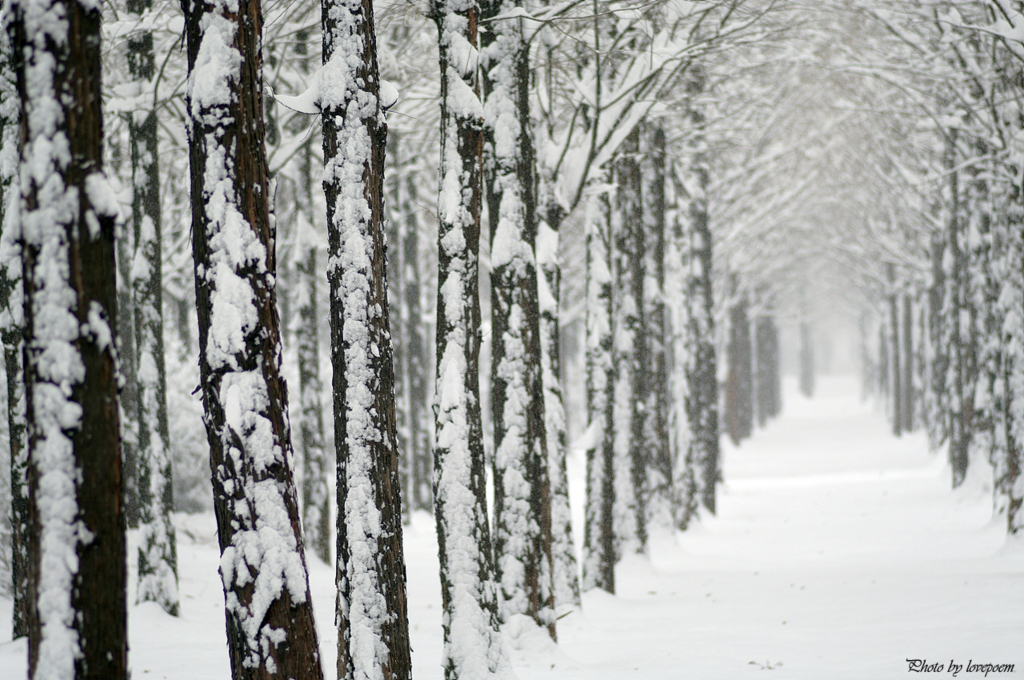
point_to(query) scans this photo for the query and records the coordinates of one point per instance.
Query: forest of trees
(520, 229)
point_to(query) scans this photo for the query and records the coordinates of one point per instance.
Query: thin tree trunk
(473, 647)
(701, 367)
(599, 544)
(806, 360)
(937, 396)
(417, 364)
(564, 574)
(663, 500)
(158, 558)
(269, 613)
(631, 355)
(316, 510)
(129, 393)
(739, 382)
(959, 435)
(897, 372)
(77, 579)
(908, 364)
(316, 501)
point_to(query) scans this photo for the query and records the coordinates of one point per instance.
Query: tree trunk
(129, 392)
(664, 499)
(897, 372)
(372, 609)
(739, 381)
(631, 356)
(473, 646)
(909, 396)
(937, 394)
(599, 540)
(806, 361)
(11, 323)
(316, 510)
(563, 550)
(701, 368)
(77, 579)
(522, 491)
(158, 553)
(269, 613)
(956, 312)
(417, 364)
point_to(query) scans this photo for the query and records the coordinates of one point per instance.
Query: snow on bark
(11, 323)
(269, 615)
(373, 629)
(661, 507)
(600, 546)
(65, 227)
(563, 550)
(630, 354)
(522, 496)
(158, 560)
(473, 647)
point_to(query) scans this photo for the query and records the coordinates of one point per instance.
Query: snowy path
(839, 552)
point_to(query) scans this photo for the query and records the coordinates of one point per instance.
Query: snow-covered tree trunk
(739, 380)
(907, 338)
(66, 222)
(551, 213)
(522, 490)
(662, 505)
(473, 647)
(158, 559)
(1012, 301)
(936, 396)
(11, 323)
(127, 363)
(631, 355)
(316, 511)
(269, 613)
(417, 365)
(769, 400)
(600, 548)
(895, 350)
(700, 361)
(372, 610)
(955, 264)
(807, 374)
(563, 550)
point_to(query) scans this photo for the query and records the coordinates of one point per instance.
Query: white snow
(839, 552)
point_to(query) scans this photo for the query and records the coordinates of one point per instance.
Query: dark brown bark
(517, 388)
(232, 133)
(370, 563)
(11, 338)
(459, 467)
(86, 239)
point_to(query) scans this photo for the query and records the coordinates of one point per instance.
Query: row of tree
(948, 301)
(600, 165)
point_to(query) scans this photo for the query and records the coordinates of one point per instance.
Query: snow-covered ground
(839, 552)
